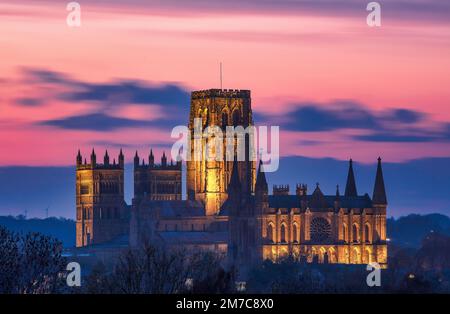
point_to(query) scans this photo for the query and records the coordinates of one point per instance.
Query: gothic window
(355, 233)
(320, 230)
(344, 233)
(356, 256)
(295, 233)
(283, 233)
(367, 233)
(270, 236)
(84, 189)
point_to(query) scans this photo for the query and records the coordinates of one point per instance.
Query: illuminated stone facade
(101, 212)
(316, 228)
(207, 180)
(228, 207)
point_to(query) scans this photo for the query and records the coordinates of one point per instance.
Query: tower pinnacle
(350, 188)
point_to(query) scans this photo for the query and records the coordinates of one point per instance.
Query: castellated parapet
(221, 93)
(281, 189)
(158, 182)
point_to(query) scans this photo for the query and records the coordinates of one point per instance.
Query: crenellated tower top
(93, 164)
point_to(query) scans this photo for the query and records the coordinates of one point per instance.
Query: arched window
(356, 256)
(345, 232)
(346, 256)
(355, 233)
(332, 255)
(270, 236)
(295, 233)
(367, 233)
(236, 117)
(283, 233)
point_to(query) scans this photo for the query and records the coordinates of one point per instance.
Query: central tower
(207, 181)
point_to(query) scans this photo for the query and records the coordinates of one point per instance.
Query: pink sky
(284, 58)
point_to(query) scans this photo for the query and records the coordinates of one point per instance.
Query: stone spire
(235, 191)
(337, 199)
(164, 160)
(121, 159)
(151, 158)
(261, 182)
(235, 182)
(93, 159)
(106, 159)
(379, 192)
(136, 159)
(79, 158)
(350, 188)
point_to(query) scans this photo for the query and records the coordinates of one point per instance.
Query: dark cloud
(35, 75)
(95, 122)
(315, 117)
(128, 92)
(395, 125)
(172, 99)
(29, 102)
(411, 135)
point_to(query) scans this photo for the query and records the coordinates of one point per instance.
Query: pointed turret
(164, 160)
(350, 187)
(261, 190)
(121, 159)
(235, 182)
(379, 192)
(79, 158)
(337, 199)
(151, 159)
(261, 182)
(136, 159)
(93, 158)
(106, 159)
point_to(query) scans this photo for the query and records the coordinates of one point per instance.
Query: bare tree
(30, 264)
(159, 270)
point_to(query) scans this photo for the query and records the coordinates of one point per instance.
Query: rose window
(320, 230)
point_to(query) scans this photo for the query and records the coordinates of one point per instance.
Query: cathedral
(228, 208)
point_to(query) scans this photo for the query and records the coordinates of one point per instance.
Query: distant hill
(407, 231)
(60, 228)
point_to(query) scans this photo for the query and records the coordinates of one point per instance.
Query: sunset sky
(337, 87)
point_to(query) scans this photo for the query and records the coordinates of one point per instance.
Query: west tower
(161, 182)
(207, 181)
(101, 210)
